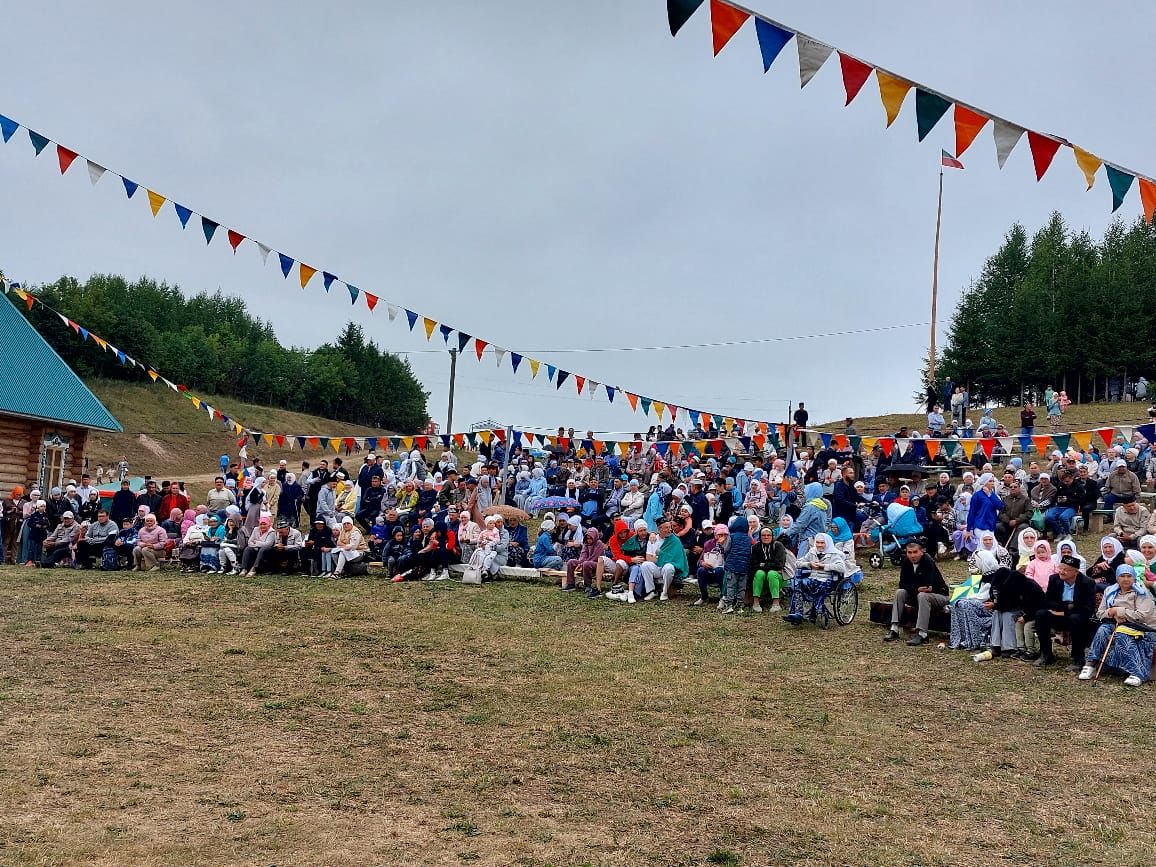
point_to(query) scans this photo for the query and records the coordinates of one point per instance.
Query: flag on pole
(950, 161)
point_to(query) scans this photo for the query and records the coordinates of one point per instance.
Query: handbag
(1037, 520)
(472, 575)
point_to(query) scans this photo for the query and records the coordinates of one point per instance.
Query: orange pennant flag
(892, 90)
(306, 274)
(1041, 443)
(968, 124)
(632, 399)
(268, 439)
(429, 326)
(1148, 198)
(156, 200)
(932, 444)
(725, 21)
(153, 375)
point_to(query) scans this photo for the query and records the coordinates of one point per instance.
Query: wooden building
(46, 411)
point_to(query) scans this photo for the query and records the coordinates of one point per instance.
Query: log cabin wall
(20, 446)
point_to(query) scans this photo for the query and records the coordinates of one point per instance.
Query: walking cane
(1104, 656)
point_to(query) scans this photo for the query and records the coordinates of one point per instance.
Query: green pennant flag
(856, 443)
(929, 108)
(1120, 182)
(472, 439)
(1062, 441)
(949, 447)
(679, 12)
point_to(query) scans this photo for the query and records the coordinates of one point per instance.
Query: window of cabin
(53, 462)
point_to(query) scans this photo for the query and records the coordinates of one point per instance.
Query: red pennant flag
(887, 444)
(29, 300)
(1043, 151)
(65, 157)
(421, 442)
(716, 447)
(579, 381)
(280, 441)
(479, 347)
(500, 434)
(313, 442)
(841, 442)
(74, 326)
(968, 123)
(182, 388)
(1107, 434)
(855, 75)
(988, 446)
(564, 442)
(370, 300)
(1041, 443)
(725, 20)
(235, 239)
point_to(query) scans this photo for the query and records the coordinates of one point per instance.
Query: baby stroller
(902, 527)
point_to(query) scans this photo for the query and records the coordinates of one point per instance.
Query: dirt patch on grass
(168, 719)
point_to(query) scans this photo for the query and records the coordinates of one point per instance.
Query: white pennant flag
(1005, 443)
(264, 251)
(1126, 431)
(95, 172)
(592, 386)
(392, 312)
(1007, 135)
(812, 56)
(902, 443)
(500, 354)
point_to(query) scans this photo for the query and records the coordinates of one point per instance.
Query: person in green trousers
(768, 560)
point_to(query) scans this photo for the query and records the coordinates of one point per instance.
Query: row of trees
(212, 343)
(1058, 309)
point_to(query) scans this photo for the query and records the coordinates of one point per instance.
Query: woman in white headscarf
(987, 542)
(255, 502)
(1126, 610)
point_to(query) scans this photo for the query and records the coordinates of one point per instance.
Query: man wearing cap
(369, 470)
(1070, 604)
(1121, 482)
(85, 489)
(59, 543)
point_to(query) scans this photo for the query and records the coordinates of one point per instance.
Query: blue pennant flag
(353, 292)
(445, 438)
(1025, 443)
(563, 375)
(515, 360)
(83, 333)
(746, 441)
(550, 371)
(38, 141)
(1148, 431)
(8, 127)
(328, 279)
(463, 339)
(208, 227)
(610, 389)
(412, 317)
(826, 438)
(130, 187)
(645, 401)
(301, 442)
(120, 356)
(662, 448)
(446, 332)
(771, 40)
(694, 416)
(371, 443)
(286, 265)
(183, 214)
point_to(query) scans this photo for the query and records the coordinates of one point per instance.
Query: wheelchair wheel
(875, 559)
(846, 603)
(823, 615)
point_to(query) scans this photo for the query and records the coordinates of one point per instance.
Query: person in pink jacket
(151, 541)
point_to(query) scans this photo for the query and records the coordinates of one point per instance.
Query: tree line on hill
(1059, 309)
(212, 344)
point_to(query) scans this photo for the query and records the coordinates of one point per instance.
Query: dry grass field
(164, 719)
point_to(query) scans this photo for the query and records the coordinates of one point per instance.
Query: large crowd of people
(636, 528)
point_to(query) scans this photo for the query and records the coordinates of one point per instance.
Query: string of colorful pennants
(930, 105)
(776, 434)
(212, 228)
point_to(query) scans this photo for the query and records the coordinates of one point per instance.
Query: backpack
(109, 561)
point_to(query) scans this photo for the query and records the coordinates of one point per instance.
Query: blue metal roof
(35, 382)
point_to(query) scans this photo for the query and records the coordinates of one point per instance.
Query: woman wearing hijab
(845, 541)
(812, 520)
(348, 547)
(656, 506)
(586, 563)
(254, 503)
(971, 616)
(755, 500)
(768, 566)
(261, 542)
(1147, 573)
(983, 511)
(289, 501)
(535, 491)
(824, 562)
(782, 534)
(1026, 547)
(963, 543)
(1067, 548)
(1012, 598)
(1103, 570)
(1127, 611)
(987, 542)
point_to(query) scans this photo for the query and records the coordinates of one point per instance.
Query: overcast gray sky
(557, 176)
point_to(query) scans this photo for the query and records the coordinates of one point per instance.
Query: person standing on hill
(801, 419)
(1027, 420)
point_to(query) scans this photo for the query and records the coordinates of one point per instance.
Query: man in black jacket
(1070, 604)
(920, 583)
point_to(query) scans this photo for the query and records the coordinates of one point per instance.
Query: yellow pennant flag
(430, 325)
(534, 365)
(407, 443)
(237, 427)
(306, 274)
(869, 443)
(1089, 164)
(659, 406)
(335, 442)
(485, 436)
(156, 200)
(1082, 438)
(969, 447)
(196, 401)
(892, 91)
(153, 375)
(268, 438)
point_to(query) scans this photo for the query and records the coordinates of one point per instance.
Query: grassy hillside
(165, 435)
(1078, 417)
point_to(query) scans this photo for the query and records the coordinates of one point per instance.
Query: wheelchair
(822, 599)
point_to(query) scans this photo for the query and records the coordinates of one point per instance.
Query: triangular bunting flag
(95, 172)
(65, 157)
(1025, 443)
(40, 142)
(209, 227)
(932, 446)
(968, 446)
(392, 311)
(463, 339)
(1148, 431)
(499, 354)
(479, 347)
(659, 407)
(988, 446)
(725, 20)
(1147, 198)
(1006, 136)
(772, 38)
(515, 360)
(286, 265)
(8, 127)
(1120, 182)
(428, 324)
(855, 74)
(610, 390)
(353, 293)
(1089, 164)
(411, 318)
(446, 332)
(679, 12)
(370, 298)
(327, 279)
(1126, 432)
(1107, 434)
(1005, 443)
(130, 187)
(929, 108)
(1043, 150)
(235, 239)
(1041, 443)
(645, 401)
(264, 251)
(968, 123)
(892, 91)
(305, 274)
(561, 378)
(1082, 438)
(812, 55)
(579, 381)
(155, 202)
(902, 443)
(887, 444)
(826, 438)
(183, 214)
(1062, 441)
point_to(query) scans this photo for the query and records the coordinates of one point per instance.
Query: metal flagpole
(935, 280)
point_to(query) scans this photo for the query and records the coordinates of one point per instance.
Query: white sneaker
(1086, 673)
(630, 597)
(757, 608)
(697, 602)
(1132, 680)
(663, 598)
(776, 607)
(728, 609)
(616, 597)
(722, 604)
(649, 597)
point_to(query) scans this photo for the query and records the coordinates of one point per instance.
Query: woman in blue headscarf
(1128, 611)
(656, 506)
(812, 521)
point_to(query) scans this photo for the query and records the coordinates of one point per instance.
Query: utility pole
(453, 380)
